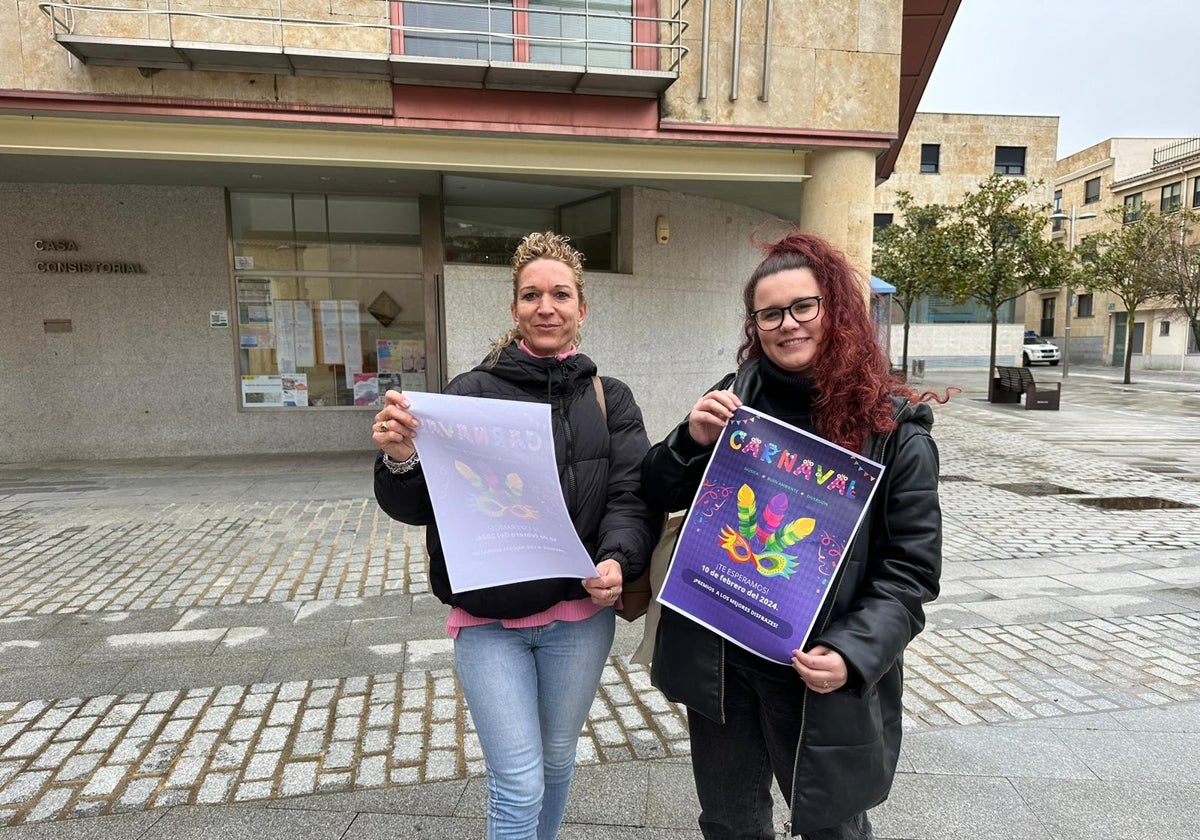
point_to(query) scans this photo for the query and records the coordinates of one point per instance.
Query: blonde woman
(529, 655)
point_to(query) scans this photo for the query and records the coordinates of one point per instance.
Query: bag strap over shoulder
(599, 386)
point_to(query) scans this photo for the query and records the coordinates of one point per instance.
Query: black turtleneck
(785, 396)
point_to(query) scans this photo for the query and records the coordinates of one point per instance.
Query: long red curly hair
(852, 372)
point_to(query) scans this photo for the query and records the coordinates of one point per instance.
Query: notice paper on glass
(766, 533)
(493, 481)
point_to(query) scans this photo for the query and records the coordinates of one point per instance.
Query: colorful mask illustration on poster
(497, 498)
(762, 538)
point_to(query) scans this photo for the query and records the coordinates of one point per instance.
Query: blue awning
(881, 287)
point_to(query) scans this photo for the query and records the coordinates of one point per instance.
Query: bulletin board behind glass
(329, 297)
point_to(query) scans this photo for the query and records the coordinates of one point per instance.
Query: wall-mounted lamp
(662, 230)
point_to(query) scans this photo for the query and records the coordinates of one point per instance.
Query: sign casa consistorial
(58, 256)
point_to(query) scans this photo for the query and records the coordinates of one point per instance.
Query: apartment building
(227, 225)
(1133, 174)
(944, 157)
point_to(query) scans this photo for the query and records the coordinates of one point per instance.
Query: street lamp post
(1070, 293)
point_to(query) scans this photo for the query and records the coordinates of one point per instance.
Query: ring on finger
(383, 426)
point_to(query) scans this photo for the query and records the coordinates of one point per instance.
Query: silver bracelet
(401, 467)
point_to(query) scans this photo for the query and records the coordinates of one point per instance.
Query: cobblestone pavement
(179, 633)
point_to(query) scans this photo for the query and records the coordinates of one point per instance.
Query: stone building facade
(944, 157)
(1102, 187)
(228, 226)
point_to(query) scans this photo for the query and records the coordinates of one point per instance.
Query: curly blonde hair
(544, 245)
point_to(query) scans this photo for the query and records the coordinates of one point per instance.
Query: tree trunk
(1129, 346)
(991, 371)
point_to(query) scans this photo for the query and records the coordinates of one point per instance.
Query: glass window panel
(262, 215)
(466, 34)
(490, 234)
(933, 309)
(588, 21)
(1170, 199)
(590, 226)
(1133, 207)
(373, 219)
(587, 218)
(263, 233)
(1010, 160)
(485, 219)
(310, 220)
(930, 158)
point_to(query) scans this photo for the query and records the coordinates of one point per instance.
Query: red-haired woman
(828, 727)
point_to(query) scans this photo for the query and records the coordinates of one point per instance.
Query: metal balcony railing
(580, 46)
(1176, 151)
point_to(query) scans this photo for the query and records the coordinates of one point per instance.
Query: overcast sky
(1105, 68)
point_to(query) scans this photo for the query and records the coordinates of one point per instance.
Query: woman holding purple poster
(827, 727)
(529, 655)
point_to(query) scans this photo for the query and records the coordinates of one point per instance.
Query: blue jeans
(529, 691)
(733, 762)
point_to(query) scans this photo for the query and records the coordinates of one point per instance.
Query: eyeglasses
(802, 309)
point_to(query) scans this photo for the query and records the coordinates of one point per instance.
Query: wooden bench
(1013, 382)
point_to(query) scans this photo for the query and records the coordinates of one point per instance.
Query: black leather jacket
(598, 466)
(850, 739)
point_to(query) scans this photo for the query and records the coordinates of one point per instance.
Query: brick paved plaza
(253, 630)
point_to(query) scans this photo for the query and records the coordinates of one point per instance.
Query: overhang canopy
(881, 287)
(926, 24)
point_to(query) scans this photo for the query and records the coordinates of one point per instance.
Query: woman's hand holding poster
(766, 533)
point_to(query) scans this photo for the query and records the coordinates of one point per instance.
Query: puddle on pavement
(1133, 503)
(1037, 488)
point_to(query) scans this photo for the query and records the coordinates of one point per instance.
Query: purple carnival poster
(766, 533)
(493, 480)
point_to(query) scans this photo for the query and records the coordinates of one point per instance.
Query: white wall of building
(958, 345)
(143, 374)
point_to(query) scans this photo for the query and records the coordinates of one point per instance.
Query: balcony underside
(154, 54)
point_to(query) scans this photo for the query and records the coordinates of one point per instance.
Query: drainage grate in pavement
(1037, 488)
(1133, 503)
(955, 478)
(1165, 469)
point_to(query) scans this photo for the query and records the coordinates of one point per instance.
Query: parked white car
(1037, 350)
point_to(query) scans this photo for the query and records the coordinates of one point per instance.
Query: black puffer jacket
(598, 466)
(850, 738)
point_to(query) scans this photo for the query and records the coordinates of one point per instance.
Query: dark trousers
(733, 762)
